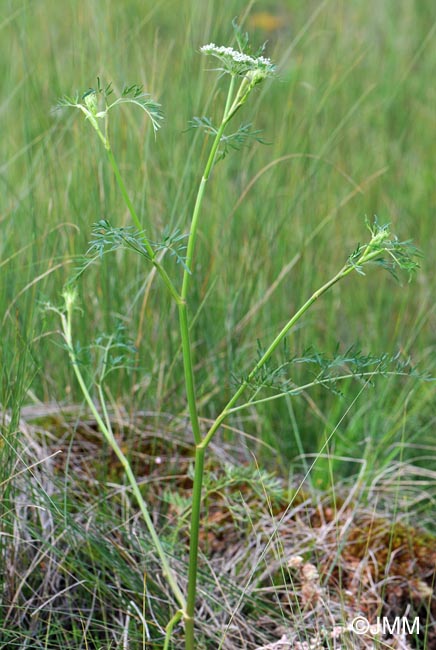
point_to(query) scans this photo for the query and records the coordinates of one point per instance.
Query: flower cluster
(238, 63)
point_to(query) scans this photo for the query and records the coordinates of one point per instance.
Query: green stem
(328, 380)
(183, 310)
(266, 355)
(240, 98)
(170, 626)
(190, 383)
(193, 547)
(367, 255)
(113, 163)
(126, 197)
(152, 255)
(200, 194)
(189, 372)
(172, 581)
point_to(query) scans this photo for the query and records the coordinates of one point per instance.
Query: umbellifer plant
(244, 70)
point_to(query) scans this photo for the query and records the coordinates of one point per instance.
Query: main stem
(190, 385)
(193, 548)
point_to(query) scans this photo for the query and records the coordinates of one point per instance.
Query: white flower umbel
(239, 63)
(252, 69)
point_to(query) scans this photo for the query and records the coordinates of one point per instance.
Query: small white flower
(237, 62)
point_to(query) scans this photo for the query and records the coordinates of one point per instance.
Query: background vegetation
(349, 127)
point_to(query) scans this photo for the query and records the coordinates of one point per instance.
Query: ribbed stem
(189, 372)
(190, 384)
(193, 548)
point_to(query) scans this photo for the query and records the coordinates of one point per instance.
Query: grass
(349, 126)
(85, 576)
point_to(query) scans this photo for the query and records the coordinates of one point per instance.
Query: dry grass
(282, 567)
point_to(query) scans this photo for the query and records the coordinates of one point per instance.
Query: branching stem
(66, 319)
(367, 255)
(151, 253)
